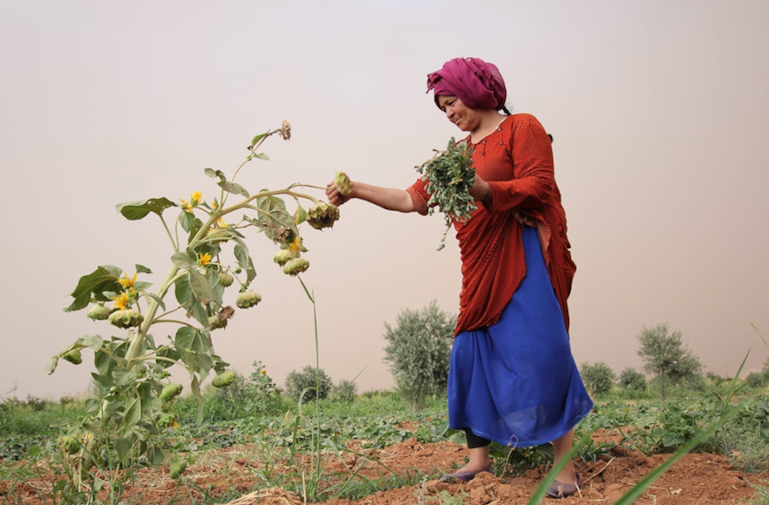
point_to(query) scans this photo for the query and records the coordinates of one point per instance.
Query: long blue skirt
(516, 382)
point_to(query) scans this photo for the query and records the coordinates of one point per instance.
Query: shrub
(715, 379)
(346, 391)
(630, 378)
(418, 352)
(307, 385)
(755, 380)
(598, 377)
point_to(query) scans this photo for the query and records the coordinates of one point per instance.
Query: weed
(762, 494)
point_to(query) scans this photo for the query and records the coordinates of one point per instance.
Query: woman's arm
(387, 198)
(534, 180)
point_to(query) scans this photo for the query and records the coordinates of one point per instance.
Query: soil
(699, 478)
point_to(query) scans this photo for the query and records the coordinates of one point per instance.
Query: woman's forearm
(387, 198)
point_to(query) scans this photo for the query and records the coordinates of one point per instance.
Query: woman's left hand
(480, 190)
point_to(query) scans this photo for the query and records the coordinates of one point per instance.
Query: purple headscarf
(477, 83)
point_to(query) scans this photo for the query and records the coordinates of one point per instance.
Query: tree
(765, 369)
(630, 378)
(598, 377)
(307, 384)
(666, 356)
(418, 352)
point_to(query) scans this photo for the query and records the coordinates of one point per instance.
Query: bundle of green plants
(448, 177)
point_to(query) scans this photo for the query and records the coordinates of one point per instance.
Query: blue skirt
(516, 382)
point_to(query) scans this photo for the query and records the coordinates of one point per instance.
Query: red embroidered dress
(517, 162)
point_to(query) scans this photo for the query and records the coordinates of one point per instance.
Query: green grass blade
(759, 334)
(539, 494)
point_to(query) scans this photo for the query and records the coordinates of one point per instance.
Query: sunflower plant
(210, 255)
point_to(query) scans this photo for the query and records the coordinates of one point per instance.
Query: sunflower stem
(138, 338)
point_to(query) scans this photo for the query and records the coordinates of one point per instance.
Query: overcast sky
(659, 111)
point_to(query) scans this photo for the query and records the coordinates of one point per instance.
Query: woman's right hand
(334, 196)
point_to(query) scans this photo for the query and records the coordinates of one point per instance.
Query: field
(372, 449)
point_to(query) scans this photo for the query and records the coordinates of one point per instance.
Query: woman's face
(465, 118)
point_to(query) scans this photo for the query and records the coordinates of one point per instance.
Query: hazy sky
(659, 111)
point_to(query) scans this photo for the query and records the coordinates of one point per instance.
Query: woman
(512, 377)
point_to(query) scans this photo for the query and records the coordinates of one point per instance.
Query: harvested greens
(448, 177)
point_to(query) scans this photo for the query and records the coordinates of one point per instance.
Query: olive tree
(666, 356)
(418, 352)
(598, 377)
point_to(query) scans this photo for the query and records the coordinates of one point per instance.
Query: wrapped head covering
(478, 84)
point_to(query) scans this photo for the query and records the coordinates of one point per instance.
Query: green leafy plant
(418, 352)
(448, 177)
(125, 426)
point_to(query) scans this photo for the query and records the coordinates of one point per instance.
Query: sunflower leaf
(97, 282)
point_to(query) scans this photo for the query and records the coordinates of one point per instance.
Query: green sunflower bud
(73, 357)
(283, 256)
(342, 183)
(126, 318)
(169, 391)
(247, 299)
(323, 215)
(69, 444)
(220, 319)
(177, 469)
(217, 323)
(224, 379)
(166, 420)
(225, 279)
(99, 312)
(296, 266)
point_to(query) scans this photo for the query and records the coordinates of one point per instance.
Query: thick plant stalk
(136, 342)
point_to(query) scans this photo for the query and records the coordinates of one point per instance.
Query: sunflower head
(285, 130)
(296, 247)
(121, 301)
(204, 259)
(127, 283)
(196, 197)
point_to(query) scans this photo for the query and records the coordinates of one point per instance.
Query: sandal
(561, 490)
(464, 476)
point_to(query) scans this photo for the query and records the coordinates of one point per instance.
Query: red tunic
(517, 162)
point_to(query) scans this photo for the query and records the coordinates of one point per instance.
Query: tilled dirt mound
(701, 479)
